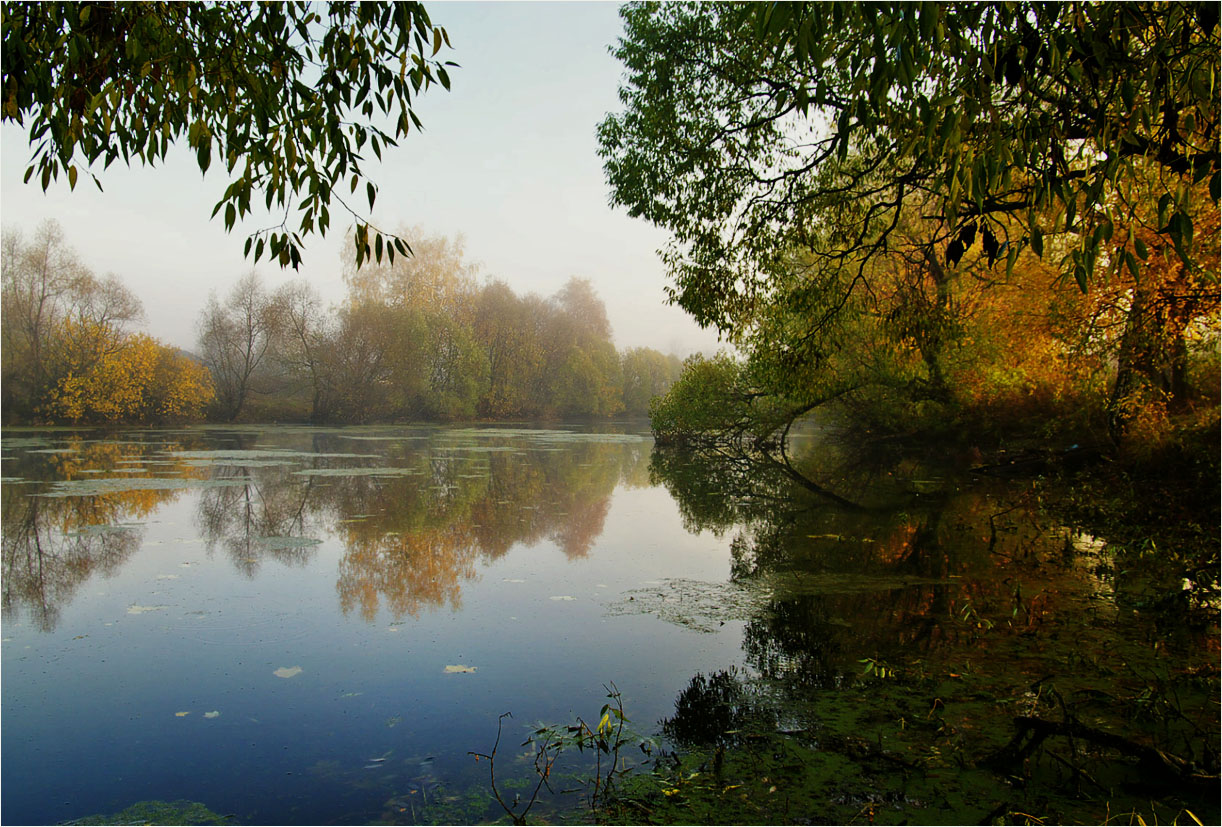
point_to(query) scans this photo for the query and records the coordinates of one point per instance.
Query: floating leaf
(212, 714)
(287, 672)
(139, 610)
(386, 471)
(277, 543)
(562, 597)
(451, 670)
(181, 714)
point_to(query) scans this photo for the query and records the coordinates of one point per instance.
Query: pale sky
(508, 159)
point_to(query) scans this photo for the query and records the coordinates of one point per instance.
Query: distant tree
(287, 96)
(457, 369)
(58, 318)
(301, 348)
(647, 373)
(507, 329)
(583, 372)
(435, 277)
(134, 379)
(234, 339)
(374, 368)
(581, 307)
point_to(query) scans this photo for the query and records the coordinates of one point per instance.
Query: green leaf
(1131, 262)
(1079, 275)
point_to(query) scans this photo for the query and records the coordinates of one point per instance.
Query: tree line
(419, 338)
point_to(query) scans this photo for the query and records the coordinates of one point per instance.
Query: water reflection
(415, 515)
(917, 625)
(54, 539)
(913, 569)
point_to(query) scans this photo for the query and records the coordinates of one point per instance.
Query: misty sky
(508, 160)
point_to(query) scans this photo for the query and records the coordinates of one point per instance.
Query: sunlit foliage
(892, 206)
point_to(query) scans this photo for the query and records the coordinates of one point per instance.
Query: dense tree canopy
(751, 128)
(287, 96)
(856, 191)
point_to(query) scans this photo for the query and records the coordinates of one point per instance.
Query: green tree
(583, 371)
(456, 367)
(749, 129)
(287, 96)
(507, 329)
(647, 373)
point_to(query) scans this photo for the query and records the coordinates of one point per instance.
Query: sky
(508, 160)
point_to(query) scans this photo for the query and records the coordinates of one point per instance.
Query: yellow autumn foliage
(106, 376)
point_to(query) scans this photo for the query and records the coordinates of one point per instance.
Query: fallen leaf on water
(181, 714)
(561, 597)
(167, 577)
(287, 672)
(139, 610)
(450, 670)
(513, 580)
(212, 714)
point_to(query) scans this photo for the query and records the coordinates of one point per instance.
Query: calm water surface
(246, 618)
(298, 625)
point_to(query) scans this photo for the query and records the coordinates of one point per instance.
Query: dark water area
(294, 625)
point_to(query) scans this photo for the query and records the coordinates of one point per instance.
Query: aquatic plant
(606, 740)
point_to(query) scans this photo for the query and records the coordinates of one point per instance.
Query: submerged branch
(1032, 732)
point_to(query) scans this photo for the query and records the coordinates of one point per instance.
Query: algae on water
(158, 812)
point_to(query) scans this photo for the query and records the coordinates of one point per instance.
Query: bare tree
(301, 349)
(234, 339)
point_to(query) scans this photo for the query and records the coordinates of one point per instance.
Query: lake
(319, 625)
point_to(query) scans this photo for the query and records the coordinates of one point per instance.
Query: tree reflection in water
(416, 523)
(415, 519)
(912, 628)
(53, 543)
